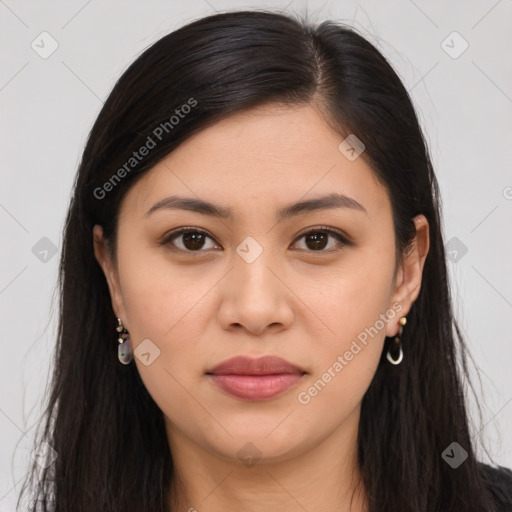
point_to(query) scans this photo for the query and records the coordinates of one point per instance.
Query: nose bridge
(251, 267)
(253, 296)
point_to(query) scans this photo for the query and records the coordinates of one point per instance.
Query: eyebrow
(205, 208)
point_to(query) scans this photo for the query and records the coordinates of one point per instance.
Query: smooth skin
(203, 304)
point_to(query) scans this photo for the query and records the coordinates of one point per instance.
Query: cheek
(353, 304)
(350, 297)
(166, 305)
(163, 300)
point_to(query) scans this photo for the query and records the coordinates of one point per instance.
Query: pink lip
(255, 379)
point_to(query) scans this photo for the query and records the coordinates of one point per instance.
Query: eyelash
(321, 229)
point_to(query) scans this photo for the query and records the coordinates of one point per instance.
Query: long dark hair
(107, 432)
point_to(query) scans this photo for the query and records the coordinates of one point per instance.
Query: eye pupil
(197, 240)
(193, 241)
(317, 238)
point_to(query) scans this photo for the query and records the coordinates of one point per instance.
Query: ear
(104, 258)
(409, 275)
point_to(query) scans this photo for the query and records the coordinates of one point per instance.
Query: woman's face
(256, 283)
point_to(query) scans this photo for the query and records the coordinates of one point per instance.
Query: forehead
(265, 156)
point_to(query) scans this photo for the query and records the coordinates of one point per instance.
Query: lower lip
(256, 387)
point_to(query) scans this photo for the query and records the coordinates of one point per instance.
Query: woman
(255, 308)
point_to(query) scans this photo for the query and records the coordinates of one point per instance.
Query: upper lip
(245, 365)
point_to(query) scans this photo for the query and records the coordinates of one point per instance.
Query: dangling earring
(124, 349)
(397, 343)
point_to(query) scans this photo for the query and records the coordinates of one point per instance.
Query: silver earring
(124, 349)
(397, 343)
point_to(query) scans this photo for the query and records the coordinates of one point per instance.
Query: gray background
(48, 105)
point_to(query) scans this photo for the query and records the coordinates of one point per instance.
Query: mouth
(255, 379)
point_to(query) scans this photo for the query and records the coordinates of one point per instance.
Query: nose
(255, 297)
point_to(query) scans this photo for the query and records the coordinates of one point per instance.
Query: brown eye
(318, 239)
(190, 240)
(195, 240)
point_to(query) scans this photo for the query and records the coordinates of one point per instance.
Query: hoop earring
(124, 349)
(397, 343)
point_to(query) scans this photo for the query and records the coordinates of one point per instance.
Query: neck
(324, 477)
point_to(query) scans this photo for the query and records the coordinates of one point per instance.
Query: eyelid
(342, 238)
(169, 237)
(333, 231)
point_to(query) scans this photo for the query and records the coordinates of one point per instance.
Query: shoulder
(499, 482)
